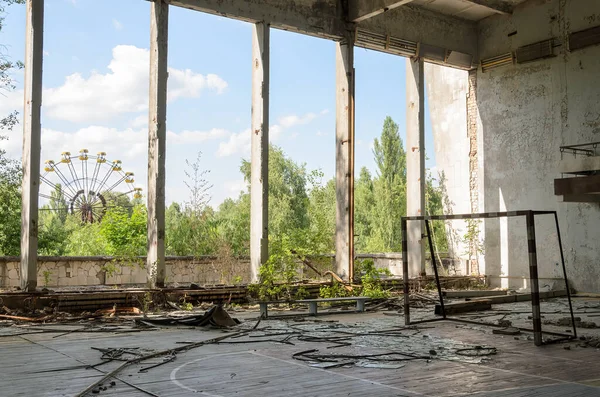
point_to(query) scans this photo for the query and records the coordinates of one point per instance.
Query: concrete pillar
(32, 130)
(344, 159)
(415, 163)
(157, 133)
(447, 89)
(259, 184)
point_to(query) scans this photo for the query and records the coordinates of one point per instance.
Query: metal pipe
(533, 276)
(351, 149)
(562, 258)
(435, 271)
(405, 271)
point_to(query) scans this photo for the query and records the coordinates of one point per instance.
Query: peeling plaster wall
(447, 98)
(527, 111)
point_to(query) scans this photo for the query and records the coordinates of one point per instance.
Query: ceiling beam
(361, 10)
(329, 19)
(427, 27)
(498, 6)
(313, 17)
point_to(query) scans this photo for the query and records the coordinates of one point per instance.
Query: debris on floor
(566, 321)
(589, 341)
(216, 316)
(507, 331)
(383, 345)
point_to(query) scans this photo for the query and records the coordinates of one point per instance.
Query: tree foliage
(10, 170)
(301, 216)
(10, 205)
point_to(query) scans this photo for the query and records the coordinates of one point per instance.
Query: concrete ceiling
(472, 10)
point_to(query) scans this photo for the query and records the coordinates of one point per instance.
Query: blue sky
(95, 91)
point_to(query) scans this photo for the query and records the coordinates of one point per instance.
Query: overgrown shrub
(371, 279)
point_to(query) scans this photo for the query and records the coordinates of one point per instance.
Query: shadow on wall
(526, 114)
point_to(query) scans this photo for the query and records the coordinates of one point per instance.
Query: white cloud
(140, 121)
(294, 120)
(128, 145)
(241, 142)
(190, 137)
(46, 53)
(235, 187)
(237, 143)
(117, 25)
(124, 89)
(187, 84)
(324, 111)
(11, 101)
(275, 131)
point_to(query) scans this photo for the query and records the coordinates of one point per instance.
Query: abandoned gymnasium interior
(495, 293)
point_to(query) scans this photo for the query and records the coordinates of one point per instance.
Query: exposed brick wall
(472, 114)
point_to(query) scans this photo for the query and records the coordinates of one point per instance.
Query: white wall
(447, 99)
(527, 111)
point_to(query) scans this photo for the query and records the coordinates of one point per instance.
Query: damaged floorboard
(45, 365)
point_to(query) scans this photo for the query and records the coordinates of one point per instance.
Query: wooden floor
(46, 365)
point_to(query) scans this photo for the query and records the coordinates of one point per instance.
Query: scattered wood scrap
(338, 279)
(520, 297)
(216, 316)
(507, 331)
(463, 307)
(473, 293)
(118, 310)
(28, 319)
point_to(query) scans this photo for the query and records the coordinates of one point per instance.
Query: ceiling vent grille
(385, 43)
(535, 51)
(393, 45)
(497, 61)
(584, 38)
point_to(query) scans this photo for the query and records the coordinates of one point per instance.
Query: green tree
(85, 239)
(192, 229)
(233, 223)
(288, 197)
(389, 188)
(53, 236)
(58, 203)
(125, 234)
(10, 170)
(10, 205)
(320, 236)
(364, 205)
(119, 200)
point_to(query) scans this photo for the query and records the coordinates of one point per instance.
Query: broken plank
(472, 293)
(463, 307)
(520, 297)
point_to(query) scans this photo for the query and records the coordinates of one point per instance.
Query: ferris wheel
(89, 191)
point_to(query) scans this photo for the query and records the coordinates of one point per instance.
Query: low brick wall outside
(206, 270)
(87, 271)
